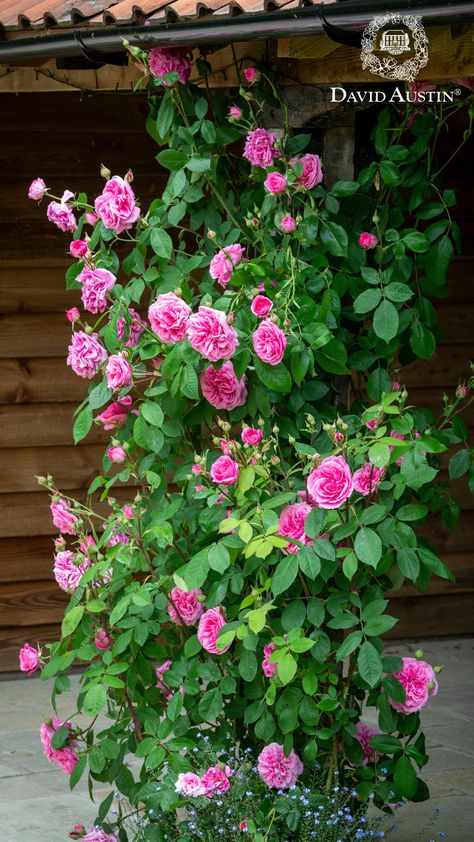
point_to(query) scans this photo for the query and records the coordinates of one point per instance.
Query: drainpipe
(348, 17)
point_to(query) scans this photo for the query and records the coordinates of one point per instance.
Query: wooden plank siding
(38, 392)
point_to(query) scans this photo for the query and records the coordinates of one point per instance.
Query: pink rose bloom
(260, 148)
(221, 388)
(119, 538)
(116, 454)
(96, 834)
(66, 758)
(190, 785)
(363, 735)
(288, 224)
(461, 391)
(63, 518)
(367, 241)
(223, 263)
(396, 385)
(78, 248)
(91, 218)
(66, 572)
(367, 478)
(96, 284)
(118, 372)
(72, 315)
(312, 170)
(252, 435)
(275, 183)
(185, 607)
(196, 469)
(86, 354)
(268, 668)
(269, 342)
(209, 627)
(261, 306)
(419, 680)
(199, 488)
(135, 328)
(37, 189)
(291, 525)
(102, 640)
(61, 214)
(29, 659)
(330, 484)
(224, 471)
(114, 416)
(128, 511)
(209, 333)
(215, 781)
(164, 60)
(276, 770)
(235, 112)
(169, 317)
(116, 206)
(372, 424)
(252, 74)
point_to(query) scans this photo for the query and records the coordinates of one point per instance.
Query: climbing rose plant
(266, 479)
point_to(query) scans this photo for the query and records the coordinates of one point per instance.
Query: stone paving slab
(37, 806)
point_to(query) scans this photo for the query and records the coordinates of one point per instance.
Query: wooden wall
(64, 138)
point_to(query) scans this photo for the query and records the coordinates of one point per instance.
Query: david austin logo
(395, 47)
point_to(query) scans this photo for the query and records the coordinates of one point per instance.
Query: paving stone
(459, 779)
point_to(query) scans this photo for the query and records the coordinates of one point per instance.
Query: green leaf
(416, 241)
(161, 243)
(412, 511)
(369, 664)
(174, 706)
(378, 381)
(350, 565)
(333, 357)
(314, 523)
(95, 700)
(344, 188)
(78, 771)
(196, 570)
(460, 463)
(317, 335)
(379, 454)
(196, 164)
(82, 424)
(389, 173)
(309, 562)
(398, 292)
(368, 546)
(434, 564)
(422, 341)
(164, 118)
(405, 777)
(172, 159)
(190, 384)
(274, 377)
(152, 413)
(334, 238)
(248, 665)
(380, 625)
(60, 737)
(219, 558)
(349, 645)
(438, 260)
(210, 705)
(285, 573)
(386, 321)
(386, 744)
(246, 479)
(287, 667)
(71, 620)
(367, 301)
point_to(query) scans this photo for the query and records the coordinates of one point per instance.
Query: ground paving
(36, 804)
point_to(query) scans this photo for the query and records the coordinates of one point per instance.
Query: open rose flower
(164, 60)
(133, 328)
(209, 333)
(116, 454)
(269, 342)
(222, 388)
(330, 484)
(61, 214)
(116, 206)
(252, 435)
(86, 354)
(78, 248)
(118, 372)
(102, 640)
(184, 607)
(190, 785)
(367, 241)
(260, 148)
(312, 170)
(168, 317)
(287, 224)
(419, 682)
(367, 478)
(96, 284)
(291, 525)
(215, 781)
(37, 189)
(252, 74)
(261, 306)
(66, 758)
(223, 263)
(235, 113)
(114, 416)
(29, 659)
(224, 471)
(67, 573)
(97, 834)
(275, 183)
(268, 668)
(63, 518)
(209, 628)
(277, 770)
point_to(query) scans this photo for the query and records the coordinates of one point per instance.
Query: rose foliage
(267, 477)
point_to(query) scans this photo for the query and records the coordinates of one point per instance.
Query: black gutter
(352, 16)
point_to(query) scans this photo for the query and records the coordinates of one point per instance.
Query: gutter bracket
(336, 33)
